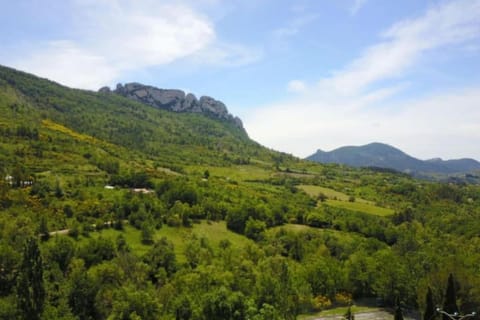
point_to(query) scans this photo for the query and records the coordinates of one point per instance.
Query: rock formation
(175, 100)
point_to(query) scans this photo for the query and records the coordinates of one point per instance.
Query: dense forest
(110, 209)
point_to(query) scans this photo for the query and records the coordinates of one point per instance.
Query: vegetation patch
(316, 191)
(361, 207)
(213, 232)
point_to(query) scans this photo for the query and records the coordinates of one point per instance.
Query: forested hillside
(384, 156)
(112, 209)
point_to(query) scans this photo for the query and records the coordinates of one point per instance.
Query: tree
(398, 311)
(274, 286)
(43, 229)
(183, 310)
(430, 307)
(61, 251)
(147, 232)
(450, 304)
(129, 303)
(223, 304)
(254, 229)
(30, 286)
(349, 315)
(82, 291)
(161, 256)
(96, 251)
(9, 261)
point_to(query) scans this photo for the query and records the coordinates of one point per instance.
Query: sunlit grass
(214, 232)
(361, 207)
(314, 191)
(238, 172)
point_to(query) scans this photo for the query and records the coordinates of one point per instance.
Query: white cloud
(296, 86)
(445, 125)
(356, 6)
(65, 62)
(295, 25)
(405, 42)
(343, 109)
(110, 37)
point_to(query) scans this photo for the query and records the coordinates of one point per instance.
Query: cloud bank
(112, 37)
(353, 105)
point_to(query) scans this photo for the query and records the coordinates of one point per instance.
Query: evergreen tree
(398, 311)
(430, 307)
(30, 286)
(43, 229)
(450, 304)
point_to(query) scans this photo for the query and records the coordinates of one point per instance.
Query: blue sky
(302, 75)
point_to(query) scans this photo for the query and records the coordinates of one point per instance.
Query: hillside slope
(385, 156)
(180, 138)
(180, 215)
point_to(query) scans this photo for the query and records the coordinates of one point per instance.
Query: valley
(180, 215)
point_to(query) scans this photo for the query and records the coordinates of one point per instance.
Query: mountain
(385, 156)
(136, 117)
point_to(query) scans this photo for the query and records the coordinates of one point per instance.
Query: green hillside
(384, 156)
(112, 209)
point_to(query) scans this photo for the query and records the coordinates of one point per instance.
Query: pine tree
(450, 304)
(30, 287)
(430, 307)
(43, 229)
(398, 311)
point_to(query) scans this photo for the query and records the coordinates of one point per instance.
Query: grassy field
(314, 191)
(341, 200)
(360, 206)
(238, 173)
(293, 228)
(213, 231)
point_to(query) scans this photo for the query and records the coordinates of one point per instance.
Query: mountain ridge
(171, 137)
(382, 155)
(174, 100)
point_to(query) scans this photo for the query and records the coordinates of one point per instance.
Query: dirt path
(64, 231)
(369, 315)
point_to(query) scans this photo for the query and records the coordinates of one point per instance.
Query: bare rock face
(175, 100)
(105, 90)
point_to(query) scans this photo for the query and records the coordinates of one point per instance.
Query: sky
(302, 75)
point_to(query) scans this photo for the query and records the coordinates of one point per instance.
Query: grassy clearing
(238, 173)
(213, 231)
(362, 207)
(346, 237)
(314, 191)
(339, 311)
(294, 228)
(341, 200)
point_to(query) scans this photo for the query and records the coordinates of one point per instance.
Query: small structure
(142, 190)
(9, 179)
(22, 183)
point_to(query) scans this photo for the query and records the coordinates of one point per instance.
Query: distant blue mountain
(385, 156)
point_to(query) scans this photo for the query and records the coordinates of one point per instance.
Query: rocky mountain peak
(174, 100)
